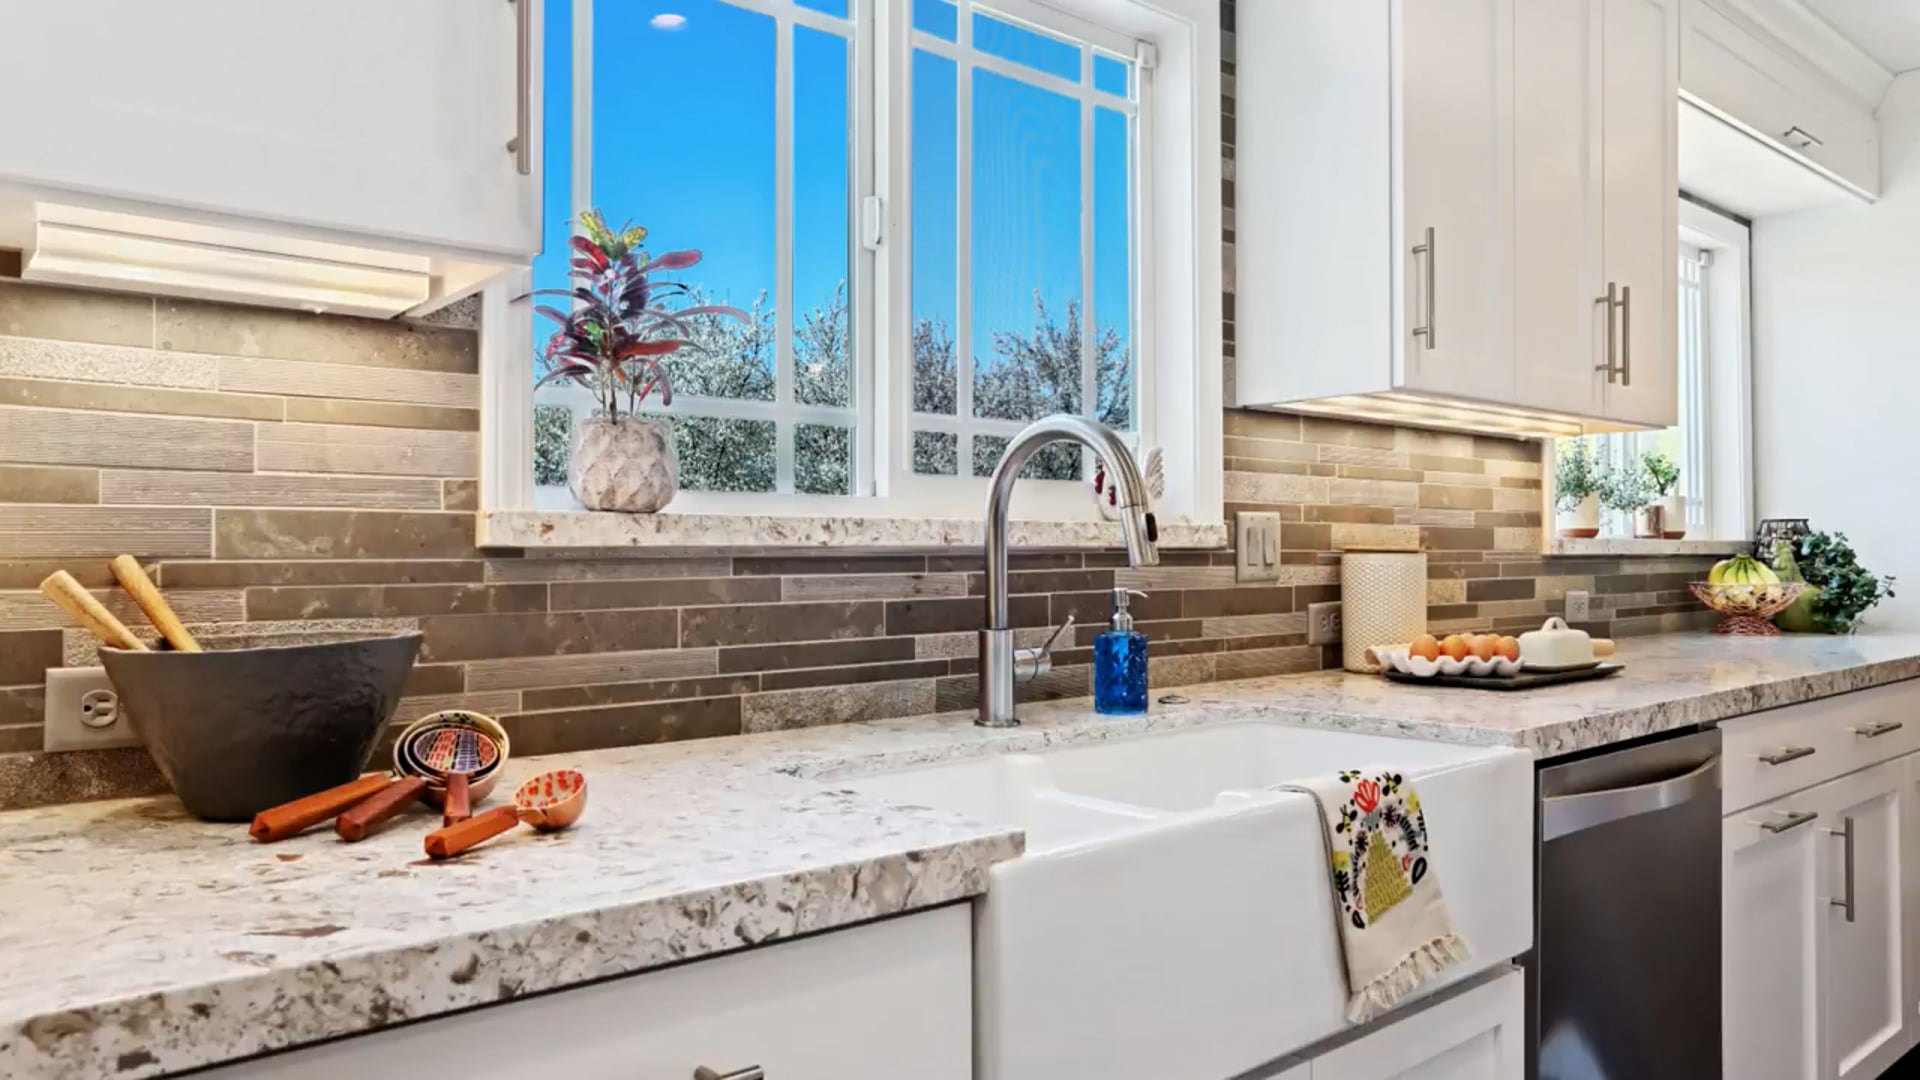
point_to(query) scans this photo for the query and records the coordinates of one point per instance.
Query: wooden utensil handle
(126, 570)
(1603, 648)
(288, 818)
(361, 817)
(447, 842)
(459, 801)
(89, 612)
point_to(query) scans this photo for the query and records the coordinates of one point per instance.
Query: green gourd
(1798, 617)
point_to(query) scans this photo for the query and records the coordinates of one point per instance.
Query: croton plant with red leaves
(621, 328)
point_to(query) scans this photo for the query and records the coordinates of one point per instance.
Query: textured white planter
(1674, 521)
(625, 465)
(1582, 522)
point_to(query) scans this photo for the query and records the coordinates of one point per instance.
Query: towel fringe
(1420, 966)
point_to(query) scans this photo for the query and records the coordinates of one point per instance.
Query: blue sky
(683, 120)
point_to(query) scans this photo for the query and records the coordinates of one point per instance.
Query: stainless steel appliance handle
(521, 145)
(1626, 335)
(751, 1072)
(1875, 730)
(1610, 301)
(1845, 833)
(1561, 815)
(1433, 272)
(1789, 821)
(1786, 754)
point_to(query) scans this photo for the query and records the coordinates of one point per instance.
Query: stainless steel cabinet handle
(751, 1072)
(1846, 837)
(1626, 335)
(1433, 272)
(1612, 302)
(1786, 754)
(1806, 138)
(1875, 730)
(1789, 820)
(521, 145)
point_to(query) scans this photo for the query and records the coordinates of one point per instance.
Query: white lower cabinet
(1475, 1035)
(877, 1002)
(1821, 900)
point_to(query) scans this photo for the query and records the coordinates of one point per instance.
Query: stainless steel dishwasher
(1624, 982)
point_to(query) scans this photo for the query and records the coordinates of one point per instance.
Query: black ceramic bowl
(241, 730)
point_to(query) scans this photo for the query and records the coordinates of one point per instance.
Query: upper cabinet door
(1639, 95)
(1456, 228)
(1557, 208)
(371, 117)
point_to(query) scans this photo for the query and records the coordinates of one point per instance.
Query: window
(933, 213)
(1711, 443)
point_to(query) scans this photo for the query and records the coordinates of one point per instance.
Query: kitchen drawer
(1773, 753)
(1748, 78)
(876, 1002)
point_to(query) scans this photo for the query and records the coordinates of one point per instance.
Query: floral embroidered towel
(1394, 927)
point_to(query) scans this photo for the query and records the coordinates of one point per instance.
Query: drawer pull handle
(1875, 730)
(751, 1072)
(1786, 754)
(1846, 838)
(1789, 820)
(1804, 138)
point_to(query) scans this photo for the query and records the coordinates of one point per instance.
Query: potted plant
(1664, 476)
(1840, 590)
(1627, 490)
(1576, 490)
(614, 343)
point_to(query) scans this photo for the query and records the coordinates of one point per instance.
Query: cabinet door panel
(1477, 1035)
(1457, 180)
(1558, 328)
(1774, 910)
(1641, 191)
(1863, 959)
(375, 117)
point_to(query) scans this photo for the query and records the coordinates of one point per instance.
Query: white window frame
(1176, 314)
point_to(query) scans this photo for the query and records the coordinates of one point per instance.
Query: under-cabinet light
(1414, 410)
(74, 246)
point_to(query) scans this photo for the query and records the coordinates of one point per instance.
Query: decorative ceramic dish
(1397, 658)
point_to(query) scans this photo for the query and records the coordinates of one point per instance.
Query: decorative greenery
(615, 339)
(1662, 472)
(1626, 488)
(552, 444)
(1576, 473)
(1847, 589)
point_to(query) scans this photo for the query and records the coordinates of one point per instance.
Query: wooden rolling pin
(447, 842)
(89, 612)
(126, 570)
(288, 818)
(362, 817)
(1602, 648)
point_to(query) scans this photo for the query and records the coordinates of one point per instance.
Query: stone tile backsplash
(295, 476)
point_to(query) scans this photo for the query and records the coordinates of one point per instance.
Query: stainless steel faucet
(1000, 662)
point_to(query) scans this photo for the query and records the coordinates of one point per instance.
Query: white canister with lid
(1383, 601)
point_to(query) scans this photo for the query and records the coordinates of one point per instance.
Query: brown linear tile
(175, 573)
(750, 658)
(482, 637)
(48, 484)
(1257, 600)
(940, 616)
(25, 656)
(347, 601)
(636, 724)
(232, 330)
(663, 592)
(1089, 608)
(1500, 589)
(382, 414)
(796, 678)
(1438, 538)
(106, 397)
(64, 314)
(342, 534)
(1046, 581)
(22, 705)
(573, 697)
(769, 624)
(1016, 561)
(796, 565)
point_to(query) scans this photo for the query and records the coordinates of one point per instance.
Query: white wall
(1836, 330)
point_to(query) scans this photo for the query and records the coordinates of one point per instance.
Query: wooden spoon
(89, 612)
(126, 569)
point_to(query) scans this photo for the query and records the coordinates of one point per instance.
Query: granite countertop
(140, 941)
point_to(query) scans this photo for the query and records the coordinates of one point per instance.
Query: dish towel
(1393, 923)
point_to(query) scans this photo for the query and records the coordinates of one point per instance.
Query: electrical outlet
(1323, 623)
(1579, 605)
(84, 712)
(1256, 549)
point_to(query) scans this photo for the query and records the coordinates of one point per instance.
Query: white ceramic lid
(1556, 644)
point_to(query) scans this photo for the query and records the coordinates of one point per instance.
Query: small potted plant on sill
(1671, 507)
(614, 342)
(1576, 490)
(1627, 490)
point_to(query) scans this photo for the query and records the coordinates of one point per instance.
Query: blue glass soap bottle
(1120, 662)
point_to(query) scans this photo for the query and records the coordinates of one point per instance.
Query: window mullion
(963, 240)
(1089, 368)
(784, 314)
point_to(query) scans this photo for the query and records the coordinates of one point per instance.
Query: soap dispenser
(1120, 662)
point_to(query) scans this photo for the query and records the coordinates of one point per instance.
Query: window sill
(580, 529)
(1626, 545)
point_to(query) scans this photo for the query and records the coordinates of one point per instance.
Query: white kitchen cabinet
(1526, 153)
(365, 119)
(1746, 78)
(1863, 956)
(1475, 1035)
(875, 1002)
(1774, 911)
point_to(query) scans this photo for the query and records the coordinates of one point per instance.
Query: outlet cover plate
(1256, 548)
(84, 713)
(1323, 623)
(1579, 605)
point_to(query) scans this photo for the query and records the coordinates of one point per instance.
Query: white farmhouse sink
(1172, 919)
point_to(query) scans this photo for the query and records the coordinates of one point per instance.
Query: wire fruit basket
(1747, 609)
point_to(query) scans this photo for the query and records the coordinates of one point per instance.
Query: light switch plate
(1579, 605)
(1323, 623)
(84, 713)
(1256, 548)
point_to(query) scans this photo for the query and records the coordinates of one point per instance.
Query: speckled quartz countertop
(138, 941)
